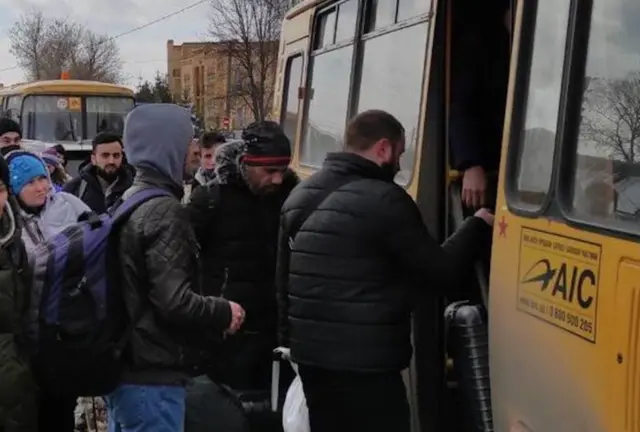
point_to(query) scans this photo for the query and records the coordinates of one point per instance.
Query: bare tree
(27, 38)
(47, 47)
(611, 116)
(250, 33)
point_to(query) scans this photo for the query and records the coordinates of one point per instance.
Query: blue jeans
(138, 408)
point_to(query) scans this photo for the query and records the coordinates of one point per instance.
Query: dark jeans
(245, 362)
(355, 401)
(56, 413)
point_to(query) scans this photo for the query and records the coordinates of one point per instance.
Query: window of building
(327, 113)
(396, 86)
(290, 101)
(176, 73)
(536, 139)
(606, 171)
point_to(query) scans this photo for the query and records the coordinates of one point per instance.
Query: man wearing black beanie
(10, 136)
(236, 220)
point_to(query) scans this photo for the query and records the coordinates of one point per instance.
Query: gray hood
(157, 137)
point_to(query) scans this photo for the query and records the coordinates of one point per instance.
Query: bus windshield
(60, 118)
(106, 113)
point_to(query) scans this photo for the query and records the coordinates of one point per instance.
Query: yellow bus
(68, 112)
(564, 302)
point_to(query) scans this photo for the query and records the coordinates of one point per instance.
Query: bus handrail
(457, 212)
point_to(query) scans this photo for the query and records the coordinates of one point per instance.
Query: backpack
(77, 324)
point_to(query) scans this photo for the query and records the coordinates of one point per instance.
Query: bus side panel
(551, 359)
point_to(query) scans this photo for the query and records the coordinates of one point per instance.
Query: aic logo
(569, 282)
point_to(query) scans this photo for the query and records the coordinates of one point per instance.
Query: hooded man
(10, 136)
(157, 255)
(103, 179)
(236, 219)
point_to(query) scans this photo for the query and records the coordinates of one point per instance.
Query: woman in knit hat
(44, 213)
(18, 393)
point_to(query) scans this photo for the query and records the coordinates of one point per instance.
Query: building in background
(206, 75)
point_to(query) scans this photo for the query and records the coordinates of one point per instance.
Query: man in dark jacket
(18, 393)
(236, 220)
(349, 278)
(478, 98)
(103, 180)
(158, 262)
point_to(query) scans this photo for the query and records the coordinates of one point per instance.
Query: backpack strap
(124, 209)
(313, 205)
(82, 188)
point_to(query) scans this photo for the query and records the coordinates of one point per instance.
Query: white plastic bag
(295, 415)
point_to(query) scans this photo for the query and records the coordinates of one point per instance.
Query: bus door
(565, 302)
(291, 75)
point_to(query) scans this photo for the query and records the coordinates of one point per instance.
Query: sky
(143, 52)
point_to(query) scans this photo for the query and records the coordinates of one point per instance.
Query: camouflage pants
(91, 415)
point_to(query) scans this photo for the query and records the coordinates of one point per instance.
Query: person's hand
(474, 187)
(486, 216)
(237, 317)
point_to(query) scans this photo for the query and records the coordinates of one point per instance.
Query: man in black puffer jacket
(350, 276)
(158, 262)
(236, 220)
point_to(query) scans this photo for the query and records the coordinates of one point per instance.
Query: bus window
(381, 14)
(330, 70)
(290, 100)
(347, 16)
(606, 179)
(412, 8)
(106, 114)
(13, 108)
(396, 85)
(537, 136)
(51, 118)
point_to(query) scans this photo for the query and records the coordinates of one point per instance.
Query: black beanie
(266, 144)
(8, 125)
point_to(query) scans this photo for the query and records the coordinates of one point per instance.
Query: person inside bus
(104, 178)
(349, 278)
(478, 97)
(18, 391)
(10, 136)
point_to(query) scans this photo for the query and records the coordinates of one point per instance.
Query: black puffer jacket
(158, 255)
(358, 266)
(18, 392)
(238, 233)
(93, 193)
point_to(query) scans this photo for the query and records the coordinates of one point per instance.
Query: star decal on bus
(502, 227)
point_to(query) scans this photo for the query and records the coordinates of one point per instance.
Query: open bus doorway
(479, 40)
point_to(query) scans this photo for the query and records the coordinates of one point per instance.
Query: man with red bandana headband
(236, 220)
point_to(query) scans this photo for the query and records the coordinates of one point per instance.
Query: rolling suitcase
(469, 347)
